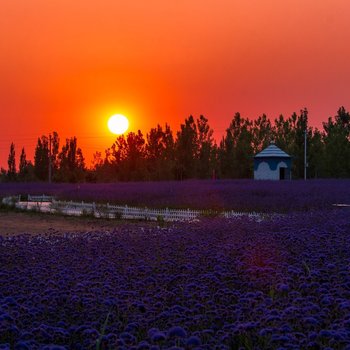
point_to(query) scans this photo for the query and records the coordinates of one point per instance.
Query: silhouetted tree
(55, 145)
(11, 173)
(154, 152)
(71, 162)
(289, 136)
(127, 158)
(41, 158)
(283, 134)
(186, 150)
(300, 126)
(160, 153)
(206, 157)
(136, 156)
(169, 153)
(316, 152)
(23, 166)
(42, 154)
(3, 175)
(262, 133)
(194, 153)
(236, 150)
(336, 138)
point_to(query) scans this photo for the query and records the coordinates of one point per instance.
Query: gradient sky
(68, 65)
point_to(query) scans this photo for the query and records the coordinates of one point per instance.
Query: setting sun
(118, 124)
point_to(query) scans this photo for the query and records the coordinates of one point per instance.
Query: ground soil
(14, 223)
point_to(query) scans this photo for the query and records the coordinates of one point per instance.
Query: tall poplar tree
(23, 166)
(11, 161)
(41, 158)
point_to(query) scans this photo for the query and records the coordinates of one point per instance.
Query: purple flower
(158, 336)
(193, 341)
(282, 287)
(176, 331)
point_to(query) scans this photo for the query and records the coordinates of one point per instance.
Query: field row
(221, 195)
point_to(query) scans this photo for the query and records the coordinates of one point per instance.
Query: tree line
(192, 152)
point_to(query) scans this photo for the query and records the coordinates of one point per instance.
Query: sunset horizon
(68, 67)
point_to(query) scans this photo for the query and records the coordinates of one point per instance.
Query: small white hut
(272, 164)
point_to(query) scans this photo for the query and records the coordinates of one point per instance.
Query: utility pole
(50, 160)
(305, 158)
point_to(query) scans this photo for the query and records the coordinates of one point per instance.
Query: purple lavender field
(241, 195)
(282, 283)
(216, 284)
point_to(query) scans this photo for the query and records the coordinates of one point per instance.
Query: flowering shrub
(216, 284)
(240, 195)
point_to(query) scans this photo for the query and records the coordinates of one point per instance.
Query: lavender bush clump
(216, 284)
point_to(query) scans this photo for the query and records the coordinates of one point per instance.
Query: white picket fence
(42, 198)
(49, 204)
(124, 212)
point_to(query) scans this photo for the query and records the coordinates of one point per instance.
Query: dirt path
(12, 223)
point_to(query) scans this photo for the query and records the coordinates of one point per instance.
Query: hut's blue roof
(272, 151)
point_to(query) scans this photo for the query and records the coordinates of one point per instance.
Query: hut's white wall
(264, 172)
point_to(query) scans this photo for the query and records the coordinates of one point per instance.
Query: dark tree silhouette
(336, 138)
(126, 157)
(186, 150)
(236, 149)
(11, 161)
(41, 158)
(206, 158)
(71, 162)
(194, 153)
(160, 153)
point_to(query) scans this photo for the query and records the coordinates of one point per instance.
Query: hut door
(282, 173)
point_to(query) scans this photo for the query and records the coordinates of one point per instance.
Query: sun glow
(118, 124)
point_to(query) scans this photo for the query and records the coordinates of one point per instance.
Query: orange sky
(68, 65)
